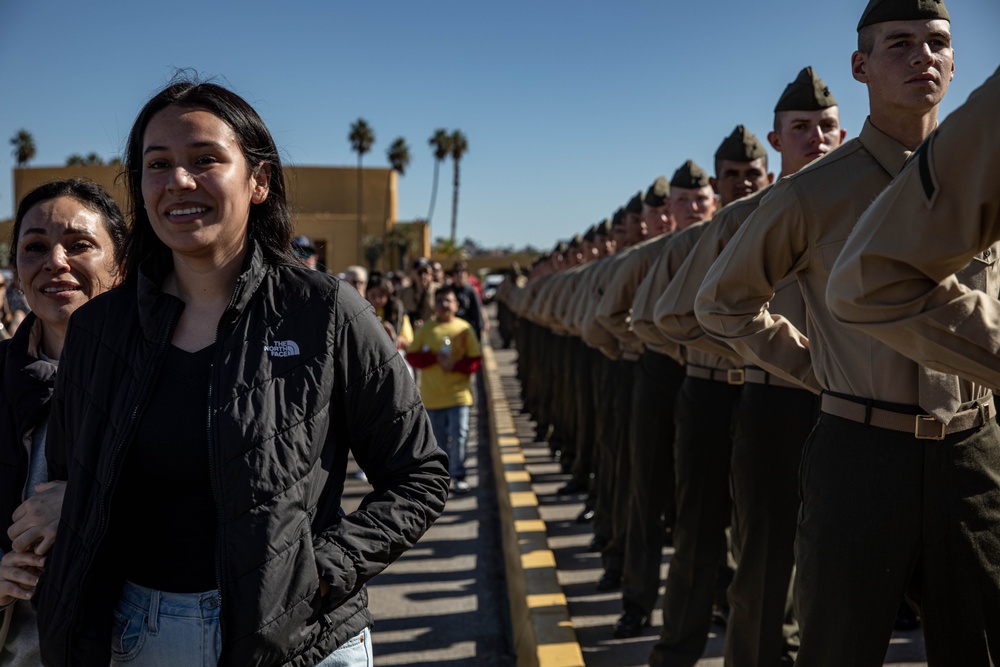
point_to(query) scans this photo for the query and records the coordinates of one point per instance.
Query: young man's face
(618, 236)
(605, 245)
(635, 228)
(423, 276)
(803, 136)
(691, 205)
(657, 218)
(445, 306)
(910, 65)
(736, 180)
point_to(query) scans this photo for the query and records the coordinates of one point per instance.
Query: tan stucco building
(324, 204)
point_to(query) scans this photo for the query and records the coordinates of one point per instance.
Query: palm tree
(399, 159)
(92, 159)
(459, 147)
(441, 143)
(24, 147)
(399, 238)
(362, 137)
(399, 155)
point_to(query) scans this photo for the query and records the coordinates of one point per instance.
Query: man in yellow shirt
(446, 351)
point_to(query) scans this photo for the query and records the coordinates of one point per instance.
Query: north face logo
(283, 348)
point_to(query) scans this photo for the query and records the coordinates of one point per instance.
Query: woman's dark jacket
(302, 374)
(25, 390)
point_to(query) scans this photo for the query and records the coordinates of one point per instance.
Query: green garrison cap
(590, 234)
(806, 93)
(689, 176)
(657, 193)
(576, 241)
(880, 11)
(561, 248)
(618, 217)
(740, 146)
(603, 228)
(634, 204)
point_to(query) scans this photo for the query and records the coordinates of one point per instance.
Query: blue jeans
(355, 652)
(451, 429)
(158, 629)
(154, 628)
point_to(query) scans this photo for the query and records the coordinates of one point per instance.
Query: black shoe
(631, 624)
(597, 544)
(611, 580)
(906, 618)
(586, 516)
(572, 486)
(566, 463)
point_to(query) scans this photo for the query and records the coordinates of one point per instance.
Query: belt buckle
(736, 376)
(924, 419)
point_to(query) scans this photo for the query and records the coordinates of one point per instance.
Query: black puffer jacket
(302, 374)
(25, 389)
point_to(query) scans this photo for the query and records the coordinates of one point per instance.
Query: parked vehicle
(490, 285)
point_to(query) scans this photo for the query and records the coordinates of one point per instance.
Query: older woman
(63, 248)
(204, 415)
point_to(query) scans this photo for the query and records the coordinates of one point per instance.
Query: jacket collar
(27, 379)
(155, 305)
(887, 151)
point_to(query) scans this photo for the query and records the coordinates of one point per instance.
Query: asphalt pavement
(444, 602)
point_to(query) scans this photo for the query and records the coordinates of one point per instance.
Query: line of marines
(793, 380)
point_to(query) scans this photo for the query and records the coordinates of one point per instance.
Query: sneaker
(461, 486)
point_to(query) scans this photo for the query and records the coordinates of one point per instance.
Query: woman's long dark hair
(270, 224)
(393, 312)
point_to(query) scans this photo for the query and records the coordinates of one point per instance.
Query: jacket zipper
(120, 444)
(213, 468)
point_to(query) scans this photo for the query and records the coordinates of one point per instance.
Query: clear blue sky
(570, 106)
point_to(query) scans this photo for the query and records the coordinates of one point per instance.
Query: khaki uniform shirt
(614, 310)
(547, 301)
(799, 229)
(529, 296)
(580, 298)
(895, 279)
(666, 268)
(594, 333)
(569, 298)
(673, 312)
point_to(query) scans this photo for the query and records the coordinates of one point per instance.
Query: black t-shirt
(163, 522)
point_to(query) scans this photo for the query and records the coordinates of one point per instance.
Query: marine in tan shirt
(896, 277)
(643, 488)
(771, 421)
(702, 439)
(878, 488)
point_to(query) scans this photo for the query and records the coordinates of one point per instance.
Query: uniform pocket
(128, 633)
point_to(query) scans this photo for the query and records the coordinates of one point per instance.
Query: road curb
(543, 632)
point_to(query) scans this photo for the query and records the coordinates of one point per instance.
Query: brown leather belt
(727, 375)
(923, 427)
(760, 376)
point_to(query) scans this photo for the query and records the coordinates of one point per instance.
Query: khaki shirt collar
(887, 151)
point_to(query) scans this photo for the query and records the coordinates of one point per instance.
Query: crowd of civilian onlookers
(436, 320)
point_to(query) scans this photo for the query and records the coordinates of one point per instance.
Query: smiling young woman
(211, 425)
